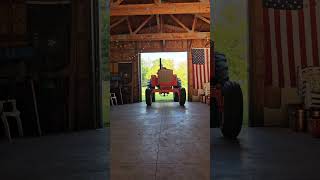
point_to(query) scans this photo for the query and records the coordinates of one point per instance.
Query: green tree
(154, 67)
(151, 67)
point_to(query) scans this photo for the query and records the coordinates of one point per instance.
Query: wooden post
(35, 104)
(256, 61)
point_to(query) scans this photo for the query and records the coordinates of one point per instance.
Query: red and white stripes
(292, 39)
(201, 72)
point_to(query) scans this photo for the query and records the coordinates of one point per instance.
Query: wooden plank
(117, 3)
(163, 8)
(257, 89)
(161, 36)
(118, 22)
(143, 24)
(158, 22)
(129, 25)
(203, 18)
(180, 23)
(194, 23)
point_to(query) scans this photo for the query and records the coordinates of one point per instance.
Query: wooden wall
(77, 76)
(256, 61)
(13, 25)
(129, 52)
(81, 114)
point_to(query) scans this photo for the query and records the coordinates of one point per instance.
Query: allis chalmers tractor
(163, 84)
(226, 105)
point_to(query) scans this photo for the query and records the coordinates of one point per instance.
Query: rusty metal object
(315, 123)
(301, 120)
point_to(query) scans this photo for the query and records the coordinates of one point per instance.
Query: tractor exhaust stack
(160, 64)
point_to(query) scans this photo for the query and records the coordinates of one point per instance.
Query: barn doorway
(150, 64)
(230, 31)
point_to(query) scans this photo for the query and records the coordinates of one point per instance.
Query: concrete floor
(264, 154)
(162, 142)
(73, 156)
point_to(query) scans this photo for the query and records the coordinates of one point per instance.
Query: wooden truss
(156, 10)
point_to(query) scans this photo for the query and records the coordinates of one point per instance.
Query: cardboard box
(195, 98)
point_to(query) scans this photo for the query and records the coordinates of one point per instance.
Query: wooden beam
(129, 26)
(194, 23)
(143, 23)
(163, 8)
(206, 15)
(158, 22)
(161, 36)
(180, 23)
(118, 22)
(161, 23)
(203, 18)
(171, 28)
(117, 3)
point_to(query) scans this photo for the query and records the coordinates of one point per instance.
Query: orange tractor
(164, 83)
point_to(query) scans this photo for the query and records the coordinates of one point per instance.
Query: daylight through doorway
(150, 64)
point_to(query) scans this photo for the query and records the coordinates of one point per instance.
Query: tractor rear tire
(221, 69)
(183, 96)
(148, 97)
(233, 110)
(175, 97)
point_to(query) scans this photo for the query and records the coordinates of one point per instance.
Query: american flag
(292, 39)
(200, 66)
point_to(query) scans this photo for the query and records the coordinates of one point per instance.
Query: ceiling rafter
(161, 36)
(165, 27)
(162, 8)
(194, 23)
(203, 18)
(117, 3)
(157, 1)
(158, 22)
(180, 23)
(118, 22)
(129, 25)
(143, 24)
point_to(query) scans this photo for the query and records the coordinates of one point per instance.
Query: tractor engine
(164, 83)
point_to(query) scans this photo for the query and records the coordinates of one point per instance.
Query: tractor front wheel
(183, 96)
(148, 97)
(175, 97)
(233, 110)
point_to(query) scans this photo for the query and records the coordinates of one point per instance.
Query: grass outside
(159, 98)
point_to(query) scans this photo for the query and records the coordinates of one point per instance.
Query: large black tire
(175, 97)
(232, 118)
(221, 69)
(183, 96)
(148, 97)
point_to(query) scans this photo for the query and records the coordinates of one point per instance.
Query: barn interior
(283, 48)
(165, 139)
(51, 125)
